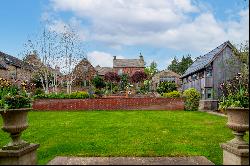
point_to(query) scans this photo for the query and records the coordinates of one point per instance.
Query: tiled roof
(103, 70)
(8, 59)
(167, 73)
(3, 64)
(128, 63)
(202, 61)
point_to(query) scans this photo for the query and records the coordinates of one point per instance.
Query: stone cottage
(101, 71)
(165, 75)
(128, 66)
(12, 68)
(84, 73)
(208, 72)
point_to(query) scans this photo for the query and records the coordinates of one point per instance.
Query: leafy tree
(138, 76)
(174, 65)
(124, 81)
(185, 63)
(98, 82)
(111, 78)
(150, 71)
(180, 66)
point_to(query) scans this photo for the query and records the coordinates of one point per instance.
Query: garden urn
(238, 121)
(15, 122)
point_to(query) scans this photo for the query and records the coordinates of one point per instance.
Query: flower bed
(110, 104)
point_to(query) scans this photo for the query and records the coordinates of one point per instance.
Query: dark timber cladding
(210, 70)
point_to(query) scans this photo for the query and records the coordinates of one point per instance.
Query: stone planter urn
(17, 152)
(236, 151)
(14, 123)
(238, 121)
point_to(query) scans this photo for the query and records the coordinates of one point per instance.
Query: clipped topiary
(192, 98)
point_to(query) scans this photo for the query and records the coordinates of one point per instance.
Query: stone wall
(110, 104)
(16, 73)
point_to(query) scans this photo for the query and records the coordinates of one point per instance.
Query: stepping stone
(192, 160)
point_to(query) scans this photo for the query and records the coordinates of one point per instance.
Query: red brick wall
(110, 104)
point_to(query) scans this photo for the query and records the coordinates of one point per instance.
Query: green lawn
(125, 133)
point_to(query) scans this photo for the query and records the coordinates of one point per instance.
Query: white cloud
(101, 58)
(160, 23)
(59, 26)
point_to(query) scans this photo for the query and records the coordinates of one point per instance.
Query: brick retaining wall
(110, 104)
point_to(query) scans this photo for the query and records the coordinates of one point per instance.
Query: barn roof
(203, 61)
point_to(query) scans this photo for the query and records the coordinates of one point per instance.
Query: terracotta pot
(15, 122)
(238, 121)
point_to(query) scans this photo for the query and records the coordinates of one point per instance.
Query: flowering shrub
(174, 94)
(192, 98)
(235, 93)
(11, 97)
(16, 101)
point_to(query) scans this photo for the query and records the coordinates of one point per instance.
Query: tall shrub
(166, 87)
(192, 98)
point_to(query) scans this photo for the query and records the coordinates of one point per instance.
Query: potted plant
(14, 107)
(235, 102)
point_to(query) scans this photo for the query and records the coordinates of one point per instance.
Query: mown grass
(126, 133)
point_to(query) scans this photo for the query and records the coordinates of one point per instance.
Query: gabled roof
(103, 70)
(128, 63)
(203, 61)
(10, 60)
(167, 73)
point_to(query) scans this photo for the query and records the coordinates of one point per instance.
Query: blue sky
(160, 29)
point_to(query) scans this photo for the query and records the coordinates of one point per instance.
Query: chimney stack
(114, 57)
(141, 57)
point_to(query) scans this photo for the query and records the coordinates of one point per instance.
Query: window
(120, 72)
(209, 73)
(168, 79)
(85, 69)
(209, 93)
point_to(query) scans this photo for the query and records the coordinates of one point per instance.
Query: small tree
(180, 66)
(111, 77)
(124, 81)
(98, 82)
(150, 71)
(138, 77)
(45, 49)
(71, 51)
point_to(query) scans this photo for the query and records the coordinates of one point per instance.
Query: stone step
(192, 160)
